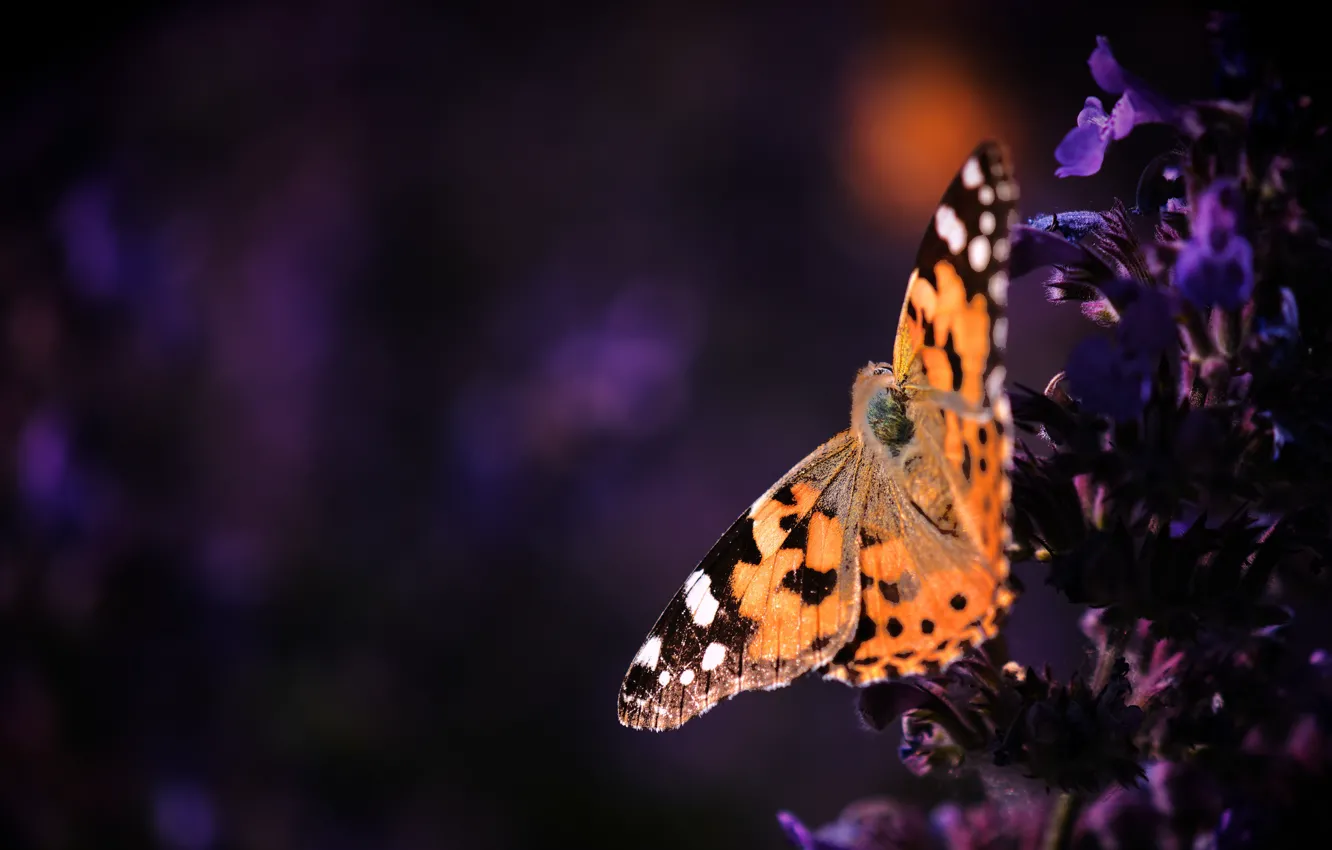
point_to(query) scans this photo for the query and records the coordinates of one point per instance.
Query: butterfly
(883, 553)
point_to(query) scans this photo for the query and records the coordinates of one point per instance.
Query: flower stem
(1059, 831)
(1105, 665)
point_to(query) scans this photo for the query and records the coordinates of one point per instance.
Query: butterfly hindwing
(775, 598)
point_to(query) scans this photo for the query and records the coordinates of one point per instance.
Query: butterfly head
(880, 372)
(878, 409)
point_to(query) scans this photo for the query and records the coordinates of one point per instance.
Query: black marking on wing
(798, 537)
(955, 364)
(812, 585)
(951, 531)
(784, 495)
(865, 630)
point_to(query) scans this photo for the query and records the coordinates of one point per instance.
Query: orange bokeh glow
(911, 120)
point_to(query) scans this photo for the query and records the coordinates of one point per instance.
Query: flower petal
(1105, 69)
(1082, 151)
(1139, 99)
(1033, 248)
(1147, 107)
(1123, 118)
(1217, 215)
(796, 832)
(881, 704)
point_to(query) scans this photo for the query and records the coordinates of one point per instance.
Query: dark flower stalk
(1179, 495)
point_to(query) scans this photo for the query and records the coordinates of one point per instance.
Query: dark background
(371, 374)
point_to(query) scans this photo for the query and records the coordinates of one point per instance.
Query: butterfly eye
(880, 370)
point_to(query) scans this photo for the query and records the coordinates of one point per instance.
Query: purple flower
(1215, 266)
(1083, 149)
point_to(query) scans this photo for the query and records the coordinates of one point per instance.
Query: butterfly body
(881, 554)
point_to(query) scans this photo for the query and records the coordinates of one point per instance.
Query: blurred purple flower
(1106, 383)
(1284, 329)
(1017, 827)
(43, 459)
(1215, 266)
(184, 816)
(1114, 378)
(1083, 149)
(1147, 328)
(866, 825)
(85, 221)
(796, 832)
(621, 373)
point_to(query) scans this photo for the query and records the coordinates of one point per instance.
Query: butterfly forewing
(955, 307)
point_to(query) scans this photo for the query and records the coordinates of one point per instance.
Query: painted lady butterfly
(882, 554)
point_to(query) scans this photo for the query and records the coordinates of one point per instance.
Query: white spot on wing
(1001, 332)
(950, 228)
(713, 656)
(978, 253)
(971, 174)
(687, 677)
(1006, 190)
(987, 222)
(665, 678)
(994, 388)
(999, 288)
(700, 601)
(1001, 249)
(649, 654)
(986, 194)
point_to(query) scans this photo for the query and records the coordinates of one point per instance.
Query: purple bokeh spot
(184, 817)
